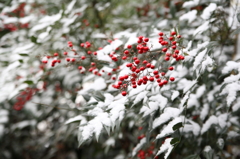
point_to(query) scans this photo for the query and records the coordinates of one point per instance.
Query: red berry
(144, 62)
(173, 33)
(164, 49)
(148, 65)
(151, 79)
(145, 39)
(124, 93)
(163, 73)
(152, 66)
(137, 61)
(83, 57)
(155, 72)
(134, 86)
(170, 68)
(167, 58)
(171, 78)
(65, 53)
(157, 76)
(55, 54)
(174, 47)
(124, 57)
(174, 42)
(95, 53)
(171, 38)
(129, 46)
(176, 51)
(179, 36)
(67, 59)
(79, 67)
(135, 58)
(126, 52)
(160, 34)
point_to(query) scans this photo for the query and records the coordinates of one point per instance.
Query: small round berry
(135, 58)
(171, 78)
(160, 34)
(173, 33)
(164, 49)
(174, 47)
(93, 64)
(124, 57)
(83, 57)
(176, 51)
(167, 58)
(134, 86)
(146, 39)
(65, 53)
(158, 80)
(137, 61)
(95, 53)
(163, 73)
(144, 62)
(152, 66)
(174, 42)
(82, 44)
(155, 72)
(148, 65)
(126, 52)
(157, 76)
(89, 52)
(80, 67)
(151, 79)
(55, 54)
(129, 46)
(170, 68)
(68, 59)
(113, 78)
(179, 36)
(124, 93)
(171, 38)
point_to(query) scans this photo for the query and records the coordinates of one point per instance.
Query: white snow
(190, 4)
(166, 147)
(208, 11)
(213, 120)
(202, 28)
(139, 146)
(231, 65)
(140, 97)
(153, 106)
(204, 111)
(175, 94)
(189, 16)
(168, 129)
(76, 118)
(231, 91)
(199, 58)
(168, 113)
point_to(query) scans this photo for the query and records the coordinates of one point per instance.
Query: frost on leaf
(139, 146)
(167, 130)
(213, 120)
(166, 147)
(166, 116)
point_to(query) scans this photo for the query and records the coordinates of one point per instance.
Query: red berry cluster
(141, 61)
(143, 154)
(18, 12)
(23, 97)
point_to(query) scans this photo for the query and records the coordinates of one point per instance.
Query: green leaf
(177, 126)
(34, 40)
(86, 97)
(98, 96)
(28, 82)
(21, 61)
(174, 141)
(193, 157)
(23, 54)
(237, 31)
(220, 143)
(238, 17)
